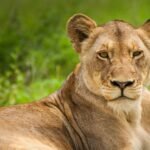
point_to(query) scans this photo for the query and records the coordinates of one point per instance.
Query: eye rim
(137, 54)
(99, 55)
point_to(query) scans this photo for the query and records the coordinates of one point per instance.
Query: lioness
(103, 104)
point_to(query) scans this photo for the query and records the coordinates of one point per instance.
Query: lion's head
(114, 56)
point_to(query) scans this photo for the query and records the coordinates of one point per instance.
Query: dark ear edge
(146, 27)
(148, 21)
(79, 27)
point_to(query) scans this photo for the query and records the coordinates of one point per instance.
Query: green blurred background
(35, 52)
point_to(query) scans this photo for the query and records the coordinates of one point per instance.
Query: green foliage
(13, 89)
(35, 52)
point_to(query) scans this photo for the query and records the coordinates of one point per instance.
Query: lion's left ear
(79, 28)
(146, 27)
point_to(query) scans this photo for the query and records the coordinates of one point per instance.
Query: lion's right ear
(146, 27)
(79, 28)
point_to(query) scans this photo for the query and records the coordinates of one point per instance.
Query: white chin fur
(124, 105)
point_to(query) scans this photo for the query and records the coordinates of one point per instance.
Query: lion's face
(114, 57)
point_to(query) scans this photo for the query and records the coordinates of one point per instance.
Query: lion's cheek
(133, 94)
(109, 94)
(93, 83)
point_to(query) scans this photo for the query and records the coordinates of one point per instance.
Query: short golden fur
(103, 105)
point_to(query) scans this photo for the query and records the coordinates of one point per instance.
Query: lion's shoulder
(44, 121)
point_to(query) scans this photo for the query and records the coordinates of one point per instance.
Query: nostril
(115, 83)
(122, 84)
(129, 83)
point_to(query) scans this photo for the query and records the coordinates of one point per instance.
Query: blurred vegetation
(35, 52)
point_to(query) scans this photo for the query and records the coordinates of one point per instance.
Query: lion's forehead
(119, 29)
(116, 35)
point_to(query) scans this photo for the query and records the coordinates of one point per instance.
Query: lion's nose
(122, 85)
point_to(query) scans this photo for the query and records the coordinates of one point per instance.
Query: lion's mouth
(113, 94)
(122, 98)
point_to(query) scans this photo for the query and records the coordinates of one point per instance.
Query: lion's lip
(122, 98)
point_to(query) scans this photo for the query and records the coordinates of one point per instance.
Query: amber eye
(103, 55)
(137, 54)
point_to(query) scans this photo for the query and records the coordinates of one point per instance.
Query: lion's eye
(103, 55)
(137, 54)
